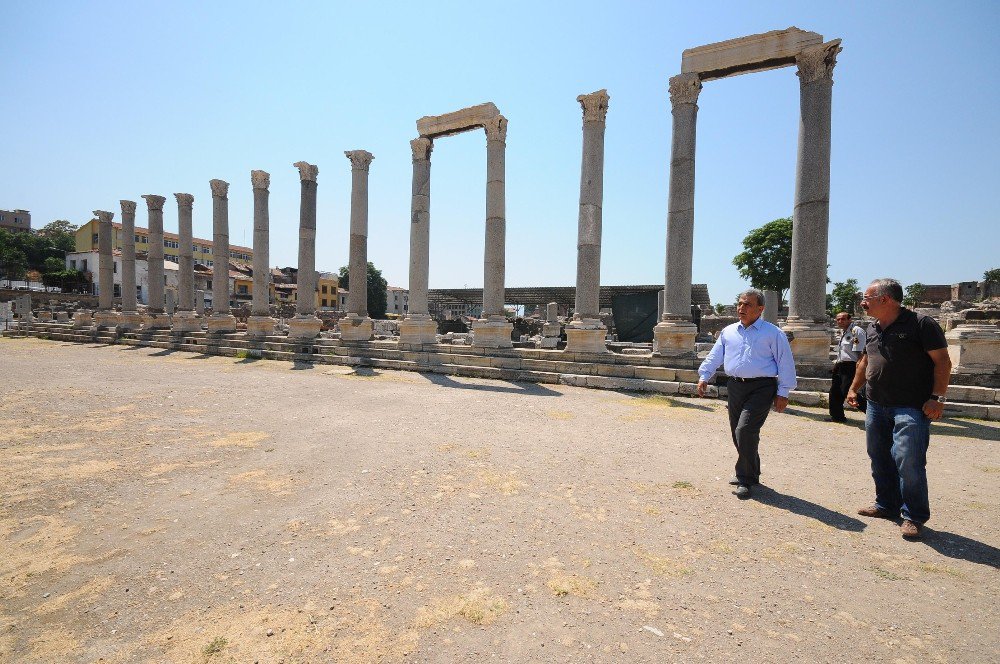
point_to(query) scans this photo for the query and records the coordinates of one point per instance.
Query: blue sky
(111, 100)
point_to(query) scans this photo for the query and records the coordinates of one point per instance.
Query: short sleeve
(931, 334)
(860, 339)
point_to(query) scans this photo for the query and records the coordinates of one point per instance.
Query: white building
(397, 300)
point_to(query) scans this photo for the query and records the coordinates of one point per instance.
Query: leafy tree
(845, 297)
(912, 294)
(766, 259)
(61, 234)
(720, 308)
(378, 300)
(992, 276)
(13, 263)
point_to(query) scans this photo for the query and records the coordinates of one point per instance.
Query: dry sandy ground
(170, 507)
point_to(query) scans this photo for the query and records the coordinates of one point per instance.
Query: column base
(185, 321)
(586, 335)
(129, 320)
(488, 333)
(674, 338)
(156, 320)
(44, 317)
(418, 330)
(355, 328)
(810, 341)
(304, 327)
(83, 318)
(221, 323)
(62, 317)
(105, 319)
(974, 349)
(260, 326)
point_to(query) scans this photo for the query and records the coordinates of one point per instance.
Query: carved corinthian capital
(684, 89)
(185, 200)
(103, 216)
(307, 171)
(595, 106)
(496, 129)
(220, 188)
(154, 202)
(360, 159)
(128, 207)
(421, 148)
(260, 179)
(817, 62)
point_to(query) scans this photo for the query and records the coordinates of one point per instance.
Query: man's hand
(933, 409)
(702, 386)
(852, 398)
(780, 403)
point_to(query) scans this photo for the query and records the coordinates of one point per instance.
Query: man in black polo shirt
(906, 367)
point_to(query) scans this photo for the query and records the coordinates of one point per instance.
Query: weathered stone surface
(154, 262)
(106, 279)
(456, 122)
(974, 349)
(580, 339)
(357, 298)
(492, 334)
(760, 52)
(129, 299)
(589, 227)
(419, 233)
(185, 263)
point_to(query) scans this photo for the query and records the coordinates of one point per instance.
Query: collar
(754, 325)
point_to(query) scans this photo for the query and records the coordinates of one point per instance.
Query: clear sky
(111, 100)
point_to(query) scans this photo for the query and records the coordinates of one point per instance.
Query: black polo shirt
(900, 372)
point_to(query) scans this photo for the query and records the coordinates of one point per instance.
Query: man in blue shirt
(757, 358)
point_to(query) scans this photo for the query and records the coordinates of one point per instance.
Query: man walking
(906, 366)
(852, 343)
(758, 361)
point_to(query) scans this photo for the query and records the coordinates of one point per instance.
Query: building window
(208, 285)
(324, 290)
(137, 239)
(72, 262)
(115, 263)
(83, 265)
(242, 289)
(94, 238)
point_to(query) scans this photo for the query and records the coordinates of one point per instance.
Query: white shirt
(852, 343)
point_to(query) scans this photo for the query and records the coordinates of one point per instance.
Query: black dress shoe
(735, 481)
(742, 491)
(830, 419)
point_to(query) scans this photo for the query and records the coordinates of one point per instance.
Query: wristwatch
(939, 398)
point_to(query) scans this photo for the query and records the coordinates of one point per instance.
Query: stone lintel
(466, 119)
(743, 55)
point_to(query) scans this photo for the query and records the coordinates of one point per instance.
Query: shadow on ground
(533, 389)
(957, 546)
(769, 496)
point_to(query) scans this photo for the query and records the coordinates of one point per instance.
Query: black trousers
(840, 385)
(749, 404)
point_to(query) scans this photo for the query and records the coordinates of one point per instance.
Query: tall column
(675, 333)
(807, 319)
(493, 330)
(260, 323)
(185, 320)
(586, 333)
(418, 327)
(221, 321)
(306, 325)
(105, 316)
(129, 319)
(357, 326)
(156, 318)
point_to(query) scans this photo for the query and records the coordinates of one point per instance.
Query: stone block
(688, 376)
(299, 327)
(491, 334)
(355, 329)
(663, 386)
(806, 398)
(617, 371)
(674, 339)
(971, 394)
(433, 126)
(974, 349)
(609, 383)
(656, 373)
(417, 331)
(688, 389)
(759, 52)
(260, 326)
(580, 340)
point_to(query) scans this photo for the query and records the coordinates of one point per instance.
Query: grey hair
(888, 287)
(756, 293)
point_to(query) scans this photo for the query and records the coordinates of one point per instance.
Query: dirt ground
(163, 506)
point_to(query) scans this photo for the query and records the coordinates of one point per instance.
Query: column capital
(496, 129)
(220, 188)
(103, 216)
(595, 106)
(817, 62)
(307, 171)
(186, 200)
(421, 148)
(260, 179)
(684, 89)
(360, 159)
(154, 202)
(128, 207)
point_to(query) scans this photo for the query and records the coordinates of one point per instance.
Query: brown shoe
(910, 530)
(875, 512)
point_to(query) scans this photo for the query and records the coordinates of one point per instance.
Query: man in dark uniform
(852, 343)
(907, 368)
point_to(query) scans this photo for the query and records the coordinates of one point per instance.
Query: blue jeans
(897, 439)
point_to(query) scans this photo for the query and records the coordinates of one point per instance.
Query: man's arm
(711, 363)
(933, 408)
(859, 380)
(786, 371)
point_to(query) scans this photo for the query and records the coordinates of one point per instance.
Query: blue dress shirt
(759, 349)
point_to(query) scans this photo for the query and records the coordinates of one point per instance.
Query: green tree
(719, 308)
(992, 276)
(845, 297)
(61, 234)
(912, 294)
(377, 289)
(766, 259)
(13, 263)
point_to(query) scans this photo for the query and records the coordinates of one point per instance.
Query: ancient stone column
(129, 319)
(807, 319)
(199, 302)
(105, 316)
(306, 325)
(493, 330)
(586, 333)
(551, 329)
(418, 327)
(772, 305)
(156, 319)
(185, 320)
(221, 321)
(356, 325)
(675, 333)
(260, 323)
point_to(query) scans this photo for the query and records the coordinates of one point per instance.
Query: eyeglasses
(869, 298)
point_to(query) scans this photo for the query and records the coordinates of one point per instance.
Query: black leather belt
(750, 380)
